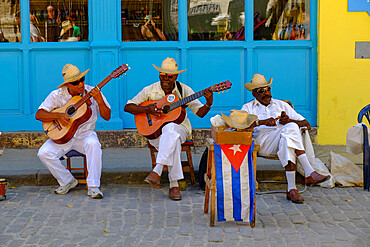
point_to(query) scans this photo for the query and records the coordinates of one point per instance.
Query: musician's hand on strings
(284, 119)
(96, 94)
(152, 109)
(63, 119)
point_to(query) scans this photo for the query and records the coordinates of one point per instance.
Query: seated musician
(173, 135)
(84, 140)
(277, 130)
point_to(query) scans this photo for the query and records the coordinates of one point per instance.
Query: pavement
(135, 214)
(140, 215)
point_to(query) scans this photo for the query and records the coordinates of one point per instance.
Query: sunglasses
(76, 83)
(263, 90)
(168, 75)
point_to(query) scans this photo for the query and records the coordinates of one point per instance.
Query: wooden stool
(73, 153)
(187, 165)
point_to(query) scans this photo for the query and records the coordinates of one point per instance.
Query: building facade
(214, 40)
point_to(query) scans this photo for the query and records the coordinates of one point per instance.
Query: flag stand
(210, 179)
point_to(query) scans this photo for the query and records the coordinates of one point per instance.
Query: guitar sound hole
(166, 109)
(71, 111)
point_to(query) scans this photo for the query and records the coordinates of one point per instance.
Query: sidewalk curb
(128, 177)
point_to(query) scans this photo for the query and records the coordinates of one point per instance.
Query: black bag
(203, 169)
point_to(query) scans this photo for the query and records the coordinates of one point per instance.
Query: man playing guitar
(84, 140)
(173, 135)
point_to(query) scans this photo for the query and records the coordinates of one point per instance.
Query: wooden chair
(365, 112)
(73, 153)
(187, 165)
(210, 179)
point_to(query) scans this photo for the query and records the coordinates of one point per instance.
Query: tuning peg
(129, 67)
(125, 74)
(226, 90)
(218, 92)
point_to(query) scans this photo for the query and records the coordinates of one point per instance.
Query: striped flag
(235, 182)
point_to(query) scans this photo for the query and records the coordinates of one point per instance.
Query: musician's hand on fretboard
(208, 94)
(96, 94)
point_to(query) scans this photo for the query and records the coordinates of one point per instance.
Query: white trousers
(168, 145)
(50, 152)
(282, 141)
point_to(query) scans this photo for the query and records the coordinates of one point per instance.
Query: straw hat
(169, 66)
(239, 119)
(257, 82)
(66, 25)
(71, 73)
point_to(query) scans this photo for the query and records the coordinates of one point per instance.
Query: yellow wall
(343, 81)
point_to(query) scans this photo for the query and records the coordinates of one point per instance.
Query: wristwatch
(257, 122)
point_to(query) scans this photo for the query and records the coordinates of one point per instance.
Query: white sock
(306, 165)
(158, 169)
(174, 184)
(290, 177)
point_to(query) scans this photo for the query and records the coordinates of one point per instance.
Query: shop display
(148, 20)
(10, 21)
(48, 17)
(284, 19)
(216, 20)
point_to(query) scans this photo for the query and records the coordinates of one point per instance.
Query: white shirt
(155, 92)
(273, 110)
(58, 98)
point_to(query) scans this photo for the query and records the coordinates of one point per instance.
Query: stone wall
(109, 138)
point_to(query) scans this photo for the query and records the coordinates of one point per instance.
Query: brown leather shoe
(153, 178)
(294, 196)
(315, 178)
(174, 194)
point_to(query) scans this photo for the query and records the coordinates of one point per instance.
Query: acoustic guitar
(150, 126)
(78, 110)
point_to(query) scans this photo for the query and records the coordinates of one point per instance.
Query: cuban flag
(235, 182)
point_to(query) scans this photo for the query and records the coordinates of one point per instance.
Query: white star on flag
(235, 148)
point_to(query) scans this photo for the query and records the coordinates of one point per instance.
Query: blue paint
(359, 6)
(32, 70)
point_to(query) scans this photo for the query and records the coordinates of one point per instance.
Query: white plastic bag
(316, 163)
(218, 121)
(355, 139)
(345, 172)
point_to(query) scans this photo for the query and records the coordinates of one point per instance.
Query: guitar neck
(186, 100)
(88, 95)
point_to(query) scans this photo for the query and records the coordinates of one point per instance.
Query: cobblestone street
(138, 215)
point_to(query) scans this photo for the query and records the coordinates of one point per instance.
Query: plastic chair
(365, 112)
(73, 153)
(187, 165)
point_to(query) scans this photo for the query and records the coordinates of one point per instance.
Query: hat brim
(227, 120)
(250, 86)
(250, 120)
(175, 72)
(75, 78)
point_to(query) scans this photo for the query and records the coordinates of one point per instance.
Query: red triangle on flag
(235, 154)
